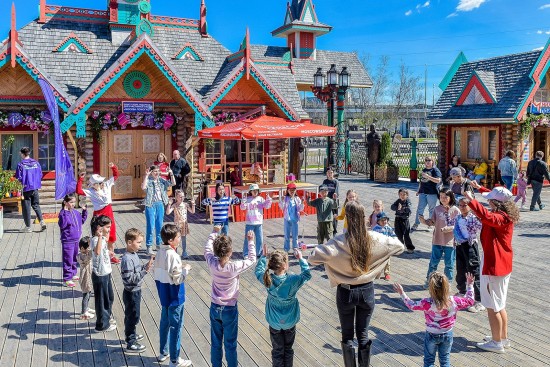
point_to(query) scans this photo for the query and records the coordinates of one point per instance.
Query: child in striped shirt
(440, 311)
(220, 207)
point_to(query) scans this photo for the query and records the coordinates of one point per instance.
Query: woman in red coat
(496, 240)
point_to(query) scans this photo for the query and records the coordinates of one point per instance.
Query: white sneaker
(163, 357)
(42, 225)
(90, 310)
(491, 346)
(181, 363)
(150, 250)
(476, 307)
(25, 230)
(110, 328)
(505, 342)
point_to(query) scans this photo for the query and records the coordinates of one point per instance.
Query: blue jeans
(225, 226)
(476, 178)
(259, 238)
(508, 181)
(448, 252)
(224, 326)
(424, 200)
(184, 245)
(440, 343)
(291, 229)
(171, 322)
(154, 217)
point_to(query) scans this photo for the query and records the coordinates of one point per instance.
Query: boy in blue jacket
(282, 309)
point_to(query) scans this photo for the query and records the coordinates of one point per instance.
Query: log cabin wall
(444, 146)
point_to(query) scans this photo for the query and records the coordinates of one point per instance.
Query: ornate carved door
(133, 151)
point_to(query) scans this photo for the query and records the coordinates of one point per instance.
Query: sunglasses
(427, 160)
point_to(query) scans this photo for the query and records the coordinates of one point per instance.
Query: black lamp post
(335, 88)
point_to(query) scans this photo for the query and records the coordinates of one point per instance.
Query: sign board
(526, 153)
(138, 107)
(538, 108)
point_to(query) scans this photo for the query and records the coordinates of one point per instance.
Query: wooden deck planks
(40, 326)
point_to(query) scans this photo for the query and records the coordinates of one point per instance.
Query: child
(254, 206)
(99, 192)
(402, 208)
(522, 188)
(282, 309)
(383, 227)
(180, 208)
(378, 207)
(467, 227)
(85, 259)
(440, 311)
(133, 275)
(101, 274)
(170, 275)
(220, 207)
(291, 206)
(324, 206)
(70, 225)
(443, 218)
(224, 314)
(351, 195)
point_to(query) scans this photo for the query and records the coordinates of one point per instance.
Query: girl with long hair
(291, 205)
(282, 309)
(352, 261)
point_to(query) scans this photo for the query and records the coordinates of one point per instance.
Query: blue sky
(421, 33)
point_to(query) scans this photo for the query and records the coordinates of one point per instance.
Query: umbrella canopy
(266, 127)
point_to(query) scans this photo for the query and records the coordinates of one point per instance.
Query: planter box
(386, 174)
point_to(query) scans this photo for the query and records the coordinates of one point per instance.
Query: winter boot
(349, 354)
(364, 355)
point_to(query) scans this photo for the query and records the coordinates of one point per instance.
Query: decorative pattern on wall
(33, 119)
(137, 84)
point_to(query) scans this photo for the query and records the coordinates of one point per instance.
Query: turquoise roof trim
(460, 59)
(227, 89)
(270, 94)
(200, 120)
(189, 49)
(75, 42)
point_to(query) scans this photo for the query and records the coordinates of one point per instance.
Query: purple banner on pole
(65, 182)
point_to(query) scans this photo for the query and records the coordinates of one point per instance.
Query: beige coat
(85, 261)
(336, 256)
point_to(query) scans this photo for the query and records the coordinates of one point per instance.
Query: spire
(42, 17)
(247, 54)
(203, 27)
(13, 36)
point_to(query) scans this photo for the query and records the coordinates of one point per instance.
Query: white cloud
(469, 5)
(427, 3)
(408, 12)
(546, 6)
(543, 32)
(452, 15)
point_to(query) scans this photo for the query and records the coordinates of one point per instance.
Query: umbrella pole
(240, 161)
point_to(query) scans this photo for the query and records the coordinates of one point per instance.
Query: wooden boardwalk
(39, 323)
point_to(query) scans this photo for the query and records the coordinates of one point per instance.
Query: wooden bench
(13, 201)
(490, 177)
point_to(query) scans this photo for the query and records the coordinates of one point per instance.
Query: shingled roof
(507, 79)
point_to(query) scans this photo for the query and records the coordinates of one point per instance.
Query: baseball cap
(254, 187)
(499, 193)
(96, 179)
(291, 186)
(323, 188)
(381, 215)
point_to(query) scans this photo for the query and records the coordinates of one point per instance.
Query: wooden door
(133, 151)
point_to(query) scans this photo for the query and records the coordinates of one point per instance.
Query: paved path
(39, 323)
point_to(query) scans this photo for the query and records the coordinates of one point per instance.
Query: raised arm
(79, 190)
(260, 269)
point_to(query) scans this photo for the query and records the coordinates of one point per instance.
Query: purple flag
(65, 182)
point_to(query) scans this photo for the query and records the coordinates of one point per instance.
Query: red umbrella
(266, 127)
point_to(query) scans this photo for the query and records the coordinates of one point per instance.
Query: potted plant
(9, 186)
(386, 170)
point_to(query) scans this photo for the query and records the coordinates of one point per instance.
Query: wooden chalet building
(131, 84)
(494, 105)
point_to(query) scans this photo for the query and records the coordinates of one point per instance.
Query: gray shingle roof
(488, 79)
(305, 68)
(511, 85)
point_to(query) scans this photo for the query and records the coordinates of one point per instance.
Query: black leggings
(355, 308)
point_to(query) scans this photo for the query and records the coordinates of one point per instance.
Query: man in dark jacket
(29, 173)
(180, 168)
(537, 171)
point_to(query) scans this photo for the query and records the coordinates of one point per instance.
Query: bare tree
(405, 93)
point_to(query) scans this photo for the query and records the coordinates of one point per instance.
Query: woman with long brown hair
(352, 261)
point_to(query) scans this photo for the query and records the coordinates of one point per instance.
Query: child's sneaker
(90, 310)
(491, 346)
(414, 228)
(76, 277)
(25, 230)
(477, 307)
(150, 250)
(139, 337)
(115, 260)
(87, 316)
(180, 363)
(135, 348)
(163, 357)
(70, 284)
(110, 328)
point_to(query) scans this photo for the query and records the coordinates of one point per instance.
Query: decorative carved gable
(72, 43)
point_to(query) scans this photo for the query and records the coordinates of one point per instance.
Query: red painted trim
(474, 81)
(58, 11)
(192, 48)
(161, 19)
(247, 54)
(42, 18)
(68, 38)
(96, 156)
(202, 21)
(13, 37)
(537, 78)
(174, 142)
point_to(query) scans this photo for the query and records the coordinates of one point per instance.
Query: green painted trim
(141, 77)
(73, 41)
(317, 29)
(459, 60)
(526, 99)
(191, 51)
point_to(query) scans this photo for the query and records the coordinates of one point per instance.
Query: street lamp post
(334, 90)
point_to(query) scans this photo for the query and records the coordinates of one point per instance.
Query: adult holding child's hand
(352, 261)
